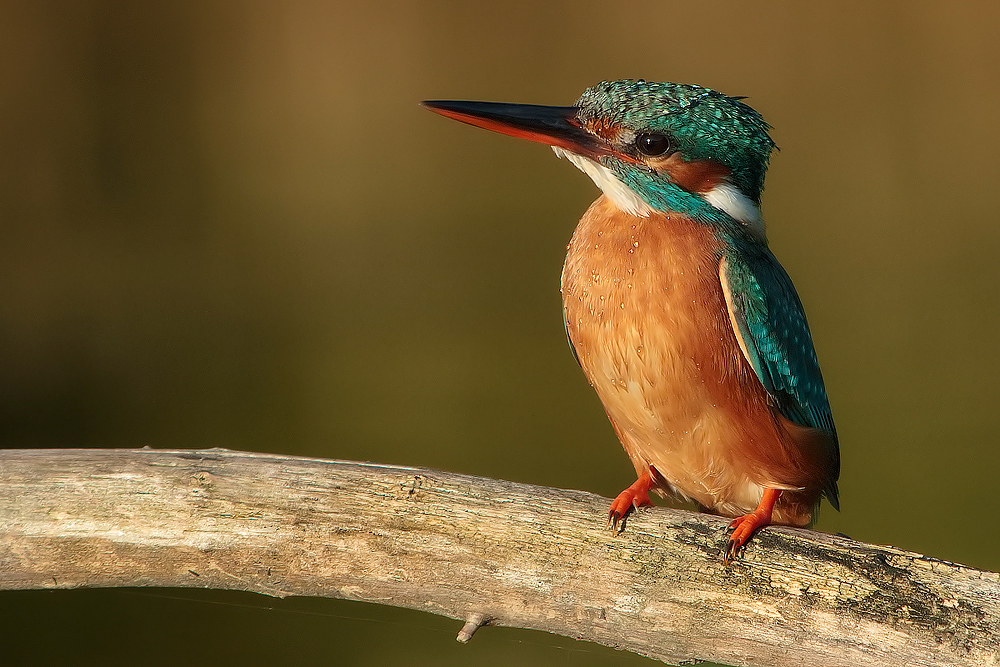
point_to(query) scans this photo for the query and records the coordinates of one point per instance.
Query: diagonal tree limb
(486, 552)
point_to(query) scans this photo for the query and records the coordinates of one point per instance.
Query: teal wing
(772, 327)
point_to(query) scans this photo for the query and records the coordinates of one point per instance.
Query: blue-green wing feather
(773, 327)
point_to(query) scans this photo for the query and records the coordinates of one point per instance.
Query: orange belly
(647, 317)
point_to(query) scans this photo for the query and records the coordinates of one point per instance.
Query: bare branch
(485, 552)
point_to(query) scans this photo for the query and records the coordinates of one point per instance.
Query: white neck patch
(620, 194)
(730, 200)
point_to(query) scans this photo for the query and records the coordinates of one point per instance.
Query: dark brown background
(229, 224)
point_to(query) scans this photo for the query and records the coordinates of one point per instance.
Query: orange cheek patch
(698, 176)
(603, 128)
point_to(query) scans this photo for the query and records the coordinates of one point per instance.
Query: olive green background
(230, 225)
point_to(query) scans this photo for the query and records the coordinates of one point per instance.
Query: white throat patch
(620, 194)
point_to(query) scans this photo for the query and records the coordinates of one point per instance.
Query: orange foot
(745, 526)
(634, 496)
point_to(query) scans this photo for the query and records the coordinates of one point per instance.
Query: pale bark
(483, 551)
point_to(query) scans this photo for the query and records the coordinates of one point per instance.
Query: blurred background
(230, 225)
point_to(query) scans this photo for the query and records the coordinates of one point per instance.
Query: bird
(681, 318)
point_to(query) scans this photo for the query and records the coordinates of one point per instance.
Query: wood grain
(483, 550)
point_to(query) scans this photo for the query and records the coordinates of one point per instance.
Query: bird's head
(649, 146)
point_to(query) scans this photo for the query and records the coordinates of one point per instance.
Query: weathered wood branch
(483, 551)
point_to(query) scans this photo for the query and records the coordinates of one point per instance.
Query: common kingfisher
(683, 321)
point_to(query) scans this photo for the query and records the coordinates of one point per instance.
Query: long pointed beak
(555, 126)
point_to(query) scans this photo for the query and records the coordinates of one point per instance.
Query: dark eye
(649, 143)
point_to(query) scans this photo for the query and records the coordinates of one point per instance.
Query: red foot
(745, 526)
(634, 496)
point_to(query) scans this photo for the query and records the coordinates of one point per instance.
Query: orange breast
(647, 316)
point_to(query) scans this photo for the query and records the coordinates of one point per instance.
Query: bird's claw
(616, 522)
(732, 551)
(743, 528)
(627, 501)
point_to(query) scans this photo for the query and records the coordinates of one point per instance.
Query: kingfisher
(682, 319)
